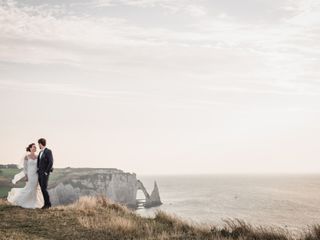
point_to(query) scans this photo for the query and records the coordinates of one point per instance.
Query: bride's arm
(25, 167)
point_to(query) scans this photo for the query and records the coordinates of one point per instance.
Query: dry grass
(101, 218)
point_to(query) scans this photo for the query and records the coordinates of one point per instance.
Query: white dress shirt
(41, 152)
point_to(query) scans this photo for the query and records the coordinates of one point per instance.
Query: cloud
(172, 7)
(305, 12)
(113, 96)
(212, 48)
(67, 89)
(293, 90)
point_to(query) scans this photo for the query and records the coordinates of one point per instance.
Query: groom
(44, 165)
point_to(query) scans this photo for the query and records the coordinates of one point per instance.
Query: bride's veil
(23, 164)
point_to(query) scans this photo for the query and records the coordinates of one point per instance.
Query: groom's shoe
(45, 207)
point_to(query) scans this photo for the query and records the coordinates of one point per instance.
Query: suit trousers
(43, 182)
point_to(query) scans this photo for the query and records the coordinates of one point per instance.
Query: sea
(289, 201)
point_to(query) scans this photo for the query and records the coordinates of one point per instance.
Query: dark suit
(44, 165)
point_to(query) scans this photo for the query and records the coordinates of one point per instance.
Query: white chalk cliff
(113, 183)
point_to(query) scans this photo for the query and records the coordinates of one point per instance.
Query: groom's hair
(42, 141)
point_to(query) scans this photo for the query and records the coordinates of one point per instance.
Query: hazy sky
(163, 86)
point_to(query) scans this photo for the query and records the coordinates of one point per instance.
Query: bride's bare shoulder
(26, 157)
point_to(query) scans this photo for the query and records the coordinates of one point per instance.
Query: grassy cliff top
(101, 218)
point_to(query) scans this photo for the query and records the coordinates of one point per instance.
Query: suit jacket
(45, 162)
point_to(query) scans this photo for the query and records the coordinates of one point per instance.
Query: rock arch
(151, 200)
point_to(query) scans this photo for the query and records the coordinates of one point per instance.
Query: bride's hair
(28, 149)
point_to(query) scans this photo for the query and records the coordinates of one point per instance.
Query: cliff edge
(113, 183)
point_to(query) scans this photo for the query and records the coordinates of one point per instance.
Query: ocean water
(288, 201)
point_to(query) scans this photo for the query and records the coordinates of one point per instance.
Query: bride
(30, 196)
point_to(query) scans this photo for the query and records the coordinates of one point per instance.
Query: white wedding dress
(30, 196)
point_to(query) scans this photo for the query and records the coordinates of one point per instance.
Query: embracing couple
(36, 170)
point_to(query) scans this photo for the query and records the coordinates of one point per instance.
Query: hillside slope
(100, 218)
